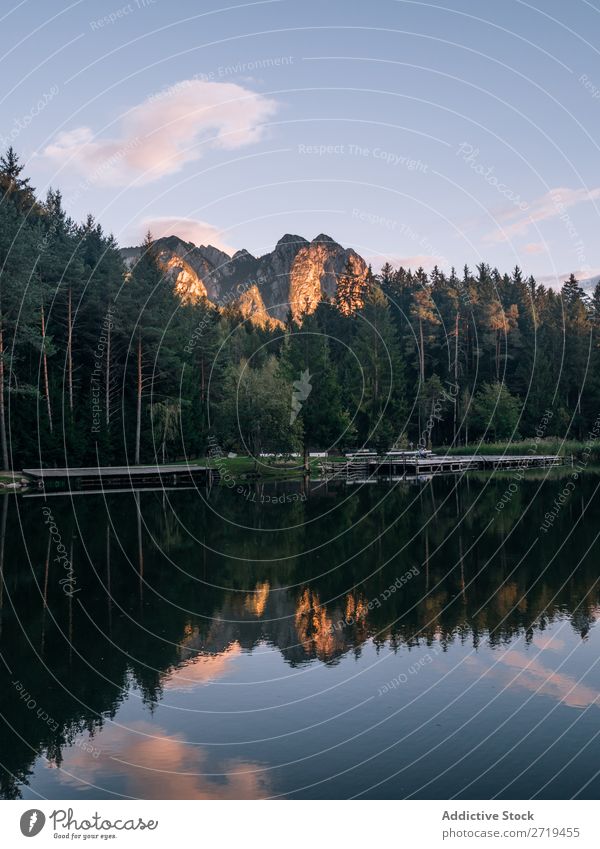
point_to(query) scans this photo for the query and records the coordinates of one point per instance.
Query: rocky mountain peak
(290, 239)
(294, 277)
(242, 254)
(216, 257)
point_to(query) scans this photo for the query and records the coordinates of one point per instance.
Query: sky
(457, 132)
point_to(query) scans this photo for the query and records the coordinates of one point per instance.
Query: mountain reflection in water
(379, 641)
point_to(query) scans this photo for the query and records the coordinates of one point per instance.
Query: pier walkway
(366, 465)
(109, 477)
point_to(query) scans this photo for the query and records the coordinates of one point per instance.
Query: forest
(100, 363)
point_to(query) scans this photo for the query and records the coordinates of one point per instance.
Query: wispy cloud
(532, 675)
(535, 248)
(553, 204)
(188, 229)
(555, 281)
(414, 261)
(166, 131)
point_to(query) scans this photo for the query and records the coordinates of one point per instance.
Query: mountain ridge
(294, 277)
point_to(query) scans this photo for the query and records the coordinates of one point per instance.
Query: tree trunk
(462, 564)
(70, 351)
(70, 597)
(5, 460)
(138, 421)
(2, 541)
(108, 588)
(497, 355)
(45, 605)
(107, 396)
(431, 421)
(140, 547)
(422, 375)
(456, 327)
(45, 368)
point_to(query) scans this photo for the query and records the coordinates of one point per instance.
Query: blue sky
(417, 132)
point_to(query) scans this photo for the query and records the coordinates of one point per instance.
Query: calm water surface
(381, 642)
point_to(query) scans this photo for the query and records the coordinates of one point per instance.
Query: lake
(434, 639)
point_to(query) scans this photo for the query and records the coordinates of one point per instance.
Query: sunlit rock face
(292, 278)
(196, 277)
(251, 306)
(298, 624)
(188, 285)
(316, 271)
(273, 274)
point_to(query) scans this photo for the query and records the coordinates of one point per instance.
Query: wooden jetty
(113, 477)
(367, 466)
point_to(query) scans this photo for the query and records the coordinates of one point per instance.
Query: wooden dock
(368, 466)
(113, 477)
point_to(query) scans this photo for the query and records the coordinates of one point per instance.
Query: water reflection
(204, 625)
(156, 765)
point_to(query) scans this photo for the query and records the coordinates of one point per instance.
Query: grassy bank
(246, 468)
(587, 449)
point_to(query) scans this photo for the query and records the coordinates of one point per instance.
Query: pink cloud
(534, 248)
(555, 281)
(427, 261)
(155, 764)
(553, 204)
(537, 678)
(166, 131)
(202, 669)
(189, 229)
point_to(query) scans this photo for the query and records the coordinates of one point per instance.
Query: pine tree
(379, 383)
(13, 186)
(144, 311)
(19, 294)
(424, 313)
(306, 362)
(350, 290)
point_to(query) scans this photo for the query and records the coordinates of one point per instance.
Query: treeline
(100, 363)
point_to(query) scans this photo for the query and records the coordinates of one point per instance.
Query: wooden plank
(390, 465)
(116, 471)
